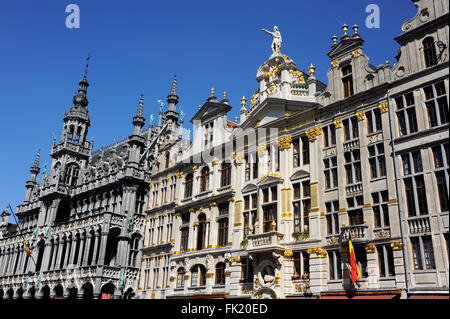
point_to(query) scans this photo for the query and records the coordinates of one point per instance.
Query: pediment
(299, 174)
(210, 109)
(344, 46)
(249, 188)
(272, 178)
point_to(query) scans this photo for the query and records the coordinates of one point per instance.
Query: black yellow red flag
(353, 264)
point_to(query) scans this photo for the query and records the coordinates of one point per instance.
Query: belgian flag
(27, 249)
(353, 265)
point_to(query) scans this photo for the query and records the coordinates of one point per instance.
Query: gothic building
(83, 221)
(262, 206)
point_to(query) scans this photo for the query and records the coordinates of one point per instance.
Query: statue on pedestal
(276, 40)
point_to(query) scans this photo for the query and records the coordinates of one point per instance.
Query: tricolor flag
(27, 249)
(353, 265)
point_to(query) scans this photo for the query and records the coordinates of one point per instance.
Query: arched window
(225, 170)
(429, 52)
(198, 277)
(188, 186)
(204, 179)
(180, 277)
(201, 234)
(70, 133)
(72, 173)
(220, 273)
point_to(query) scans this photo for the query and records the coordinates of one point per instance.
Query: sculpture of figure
(151, 119)
(182, 114)
(161, 105)
(276, 40)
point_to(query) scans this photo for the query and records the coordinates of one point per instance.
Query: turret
(31, 183)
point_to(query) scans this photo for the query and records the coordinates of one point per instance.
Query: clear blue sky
(137, 47)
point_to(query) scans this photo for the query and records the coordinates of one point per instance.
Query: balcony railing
(355, 232)
(419, 225)
(354, 189)
(266, 239)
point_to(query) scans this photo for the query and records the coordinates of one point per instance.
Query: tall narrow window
(188, 186)
(296, 152)
(406, 114)
(225, 174)
(204, 179)
(429, 52)
(347, 81)
(305, 150)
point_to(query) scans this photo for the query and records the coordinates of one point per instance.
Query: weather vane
(87, 64)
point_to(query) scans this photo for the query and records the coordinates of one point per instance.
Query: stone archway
(107, 291)
(45, 292)
(88, 291)
(129, 294)
(72, 293)
(59, 292)
(10, 293)
(31, 293)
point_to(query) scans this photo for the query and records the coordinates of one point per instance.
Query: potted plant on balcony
(300, 235)
(244, 243)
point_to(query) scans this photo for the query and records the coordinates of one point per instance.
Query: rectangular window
(296, 152)
(334, 265)
(305, 150)
(436, 104)
(352, 166)
(406, 114)
(380, 209)
(329, 135)
(347, 81)
(270, 216)
(422, 251)
(385, 261)
(222, 239)
(332, 216)
(377, 163)
(184, 239)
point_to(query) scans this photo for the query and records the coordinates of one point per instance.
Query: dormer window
(429, 52)
(347, 81)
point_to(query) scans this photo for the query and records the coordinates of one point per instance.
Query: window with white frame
(422, 252)
(332, 216)
(385, 261)
(330, 172)
(380, 209)
(352, 166)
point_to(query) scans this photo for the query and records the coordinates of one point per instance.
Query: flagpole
(20, 232)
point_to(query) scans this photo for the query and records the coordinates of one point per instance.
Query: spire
(172, 100)
(139, 120)
(37, 159)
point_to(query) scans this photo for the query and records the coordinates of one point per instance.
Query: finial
(345, 29)
(243, 101)
(312, 70)
(236, 119)
(140, 107)
(212, 91)
(355, 28)
(334, 38)
(36, 160)
(224, 95)
(387, 62)
(173, 91)
(199, 107)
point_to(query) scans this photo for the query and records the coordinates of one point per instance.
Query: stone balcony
(357, 233)
(419, 224)
(264, 241)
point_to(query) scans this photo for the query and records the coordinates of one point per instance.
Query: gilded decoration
(335, 63)
(235, 259)
(299, 75)
(356, 53)
(318, 251)
(360, 115)
(338, 123)
(215, 161)
(314, 132)
(397, 245)
(288, 254)
(285, 143)
(384, 107)
(370, 248)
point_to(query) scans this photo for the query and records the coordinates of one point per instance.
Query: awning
(334, 297)
(428, 297)
(374, 296)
